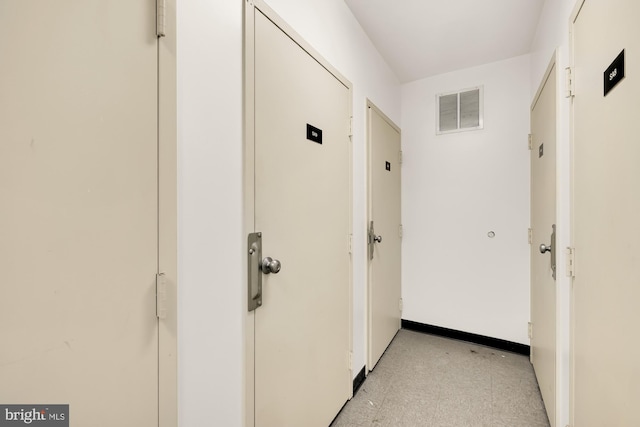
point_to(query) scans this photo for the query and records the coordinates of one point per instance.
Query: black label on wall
(387, 166)
(614, 74)
(314, 134)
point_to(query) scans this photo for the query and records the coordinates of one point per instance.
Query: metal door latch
(257, 266)
(372, 239)
(552, 250)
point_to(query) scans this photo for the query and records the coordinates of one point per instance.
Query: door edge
(167, 220)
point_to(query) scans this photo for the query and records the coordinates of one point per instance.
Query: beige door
(302, 198)
(543, 219)
(79, 216)
(384, 233)
(606, 233)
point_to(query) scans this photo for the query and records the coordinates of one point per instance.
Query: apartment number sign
(614, 74)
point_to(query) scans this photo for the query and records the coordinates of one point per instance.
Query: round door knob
(378, 239)
(270, 265)
(544, 248)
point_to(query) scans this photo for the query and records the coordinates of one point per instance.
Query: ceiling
(422, 38)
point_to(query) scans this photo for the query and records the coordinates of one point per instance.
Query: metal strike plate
(161, 296)
(254, 273)
(371, 236)
(553, 251)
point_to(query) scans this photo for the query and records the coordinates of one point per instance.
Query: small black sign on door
(387, 166)
(614, 74)
(314, 134)
(541, 150)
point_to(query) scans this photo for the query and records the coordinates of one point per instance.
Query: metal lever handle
(378, 239)
(544, 248)
(270, 265)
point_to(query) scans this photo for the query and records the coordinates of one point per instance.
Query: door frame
(368, 263)
(168, 220)
(248, 146)
(572, 20)
(574, 16)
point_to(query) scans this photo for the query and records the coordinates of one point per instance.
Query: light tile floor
(426, 380)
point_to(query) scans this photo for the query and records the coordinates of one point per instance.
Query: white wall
(210, 329)
(552, 35)
(211, 307)
(455, 189)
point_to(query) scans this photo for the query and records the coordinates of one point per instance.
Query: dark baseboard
(513, 347)
(358, 380)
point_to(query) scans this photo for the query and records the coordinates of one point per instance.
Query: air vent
(459, 111)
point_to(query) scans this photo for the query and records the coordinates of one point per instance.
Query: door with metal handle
(257, 266)
(551, 248)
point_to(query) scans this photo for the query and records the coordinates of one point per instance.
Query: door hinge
(530, 239)
(400, 231)
(350, 360)
(530, 331)
(530, 141)
(161, 8)
(571, 262)
(569, 92)
(161, 296)
(350, 243)
(350, 130)
(400, 305)
(400, 156)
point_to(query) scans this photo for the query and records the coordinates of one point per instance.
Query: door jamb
(167, 220)
(572, 20)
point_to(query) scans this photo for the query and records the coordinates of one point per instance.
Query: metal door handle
(372, 238)
(254, 282)
(270, 265)
(551, 249)
(545, 248)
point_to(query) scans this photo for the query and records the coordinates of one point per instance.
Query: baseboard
(358, 380)
(513, 347)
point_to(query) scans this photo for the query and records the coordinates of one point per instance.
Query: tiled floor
(425, 380)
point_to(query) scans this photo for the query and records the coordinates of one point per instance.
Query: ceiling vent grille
(459, 111)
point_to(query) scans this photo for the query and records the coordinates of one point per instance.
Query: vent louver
(459, 111)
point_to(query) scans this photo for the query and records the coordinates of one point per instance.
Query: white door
(543, 220)
(302, 199)
(79, 216)
(384, 233)
(606, 233)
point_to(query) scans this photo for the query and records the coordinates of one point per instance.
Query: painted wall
(211, 262)
(552, 35)
(455, 189)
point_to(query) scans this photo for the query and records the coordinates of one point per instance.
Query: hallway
(426, 380)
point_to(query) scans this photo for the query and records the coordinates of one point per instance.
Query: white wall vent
(459, 111)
